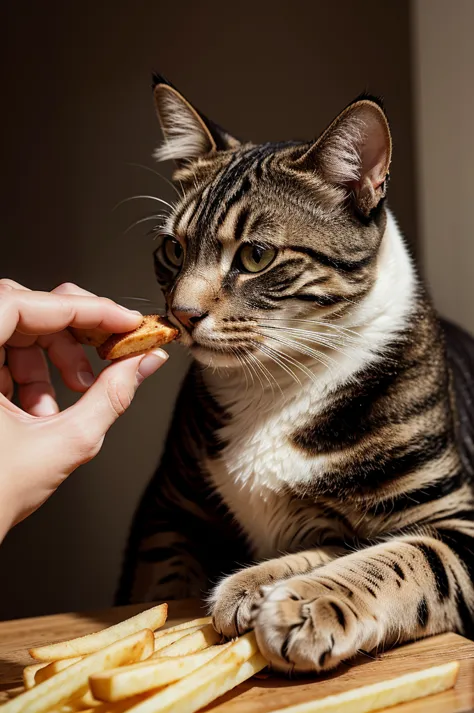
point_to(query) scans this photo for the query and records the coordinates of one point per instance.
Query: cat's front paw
(301, 626)
(236, 599)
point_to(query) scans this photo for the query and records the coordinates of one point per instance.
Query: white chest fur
(256, 465)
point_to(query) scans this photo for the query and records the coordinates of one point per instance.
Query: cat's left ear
(187, 133)
(353, 154)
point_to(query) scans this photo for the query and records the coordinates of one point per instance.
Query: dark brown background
(76, 109)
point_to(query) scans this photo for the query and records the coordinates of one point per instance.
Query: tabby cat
(323, 434)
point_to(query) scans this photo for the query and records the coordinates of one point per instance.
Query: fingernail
(46, 406)
(131, 311)
(150, 363)
(85, 378)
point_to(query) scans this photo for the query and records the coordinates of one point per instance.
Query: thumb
(108, 398)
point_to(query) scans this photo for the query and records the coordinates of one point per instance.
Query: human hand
(39, 445)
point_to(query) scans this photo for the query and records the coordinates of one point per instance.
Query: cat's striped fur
(332, 441)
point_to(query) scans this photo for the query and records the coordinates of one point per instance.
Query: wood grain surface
(259, 695)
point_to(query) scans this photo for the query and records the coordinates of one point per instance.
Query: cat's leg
(407, 588)
(161, 560)
(182, 537)
(180, 540)
(234, 600)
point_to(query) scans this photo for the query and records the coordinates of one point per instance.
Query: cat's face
(268, 240)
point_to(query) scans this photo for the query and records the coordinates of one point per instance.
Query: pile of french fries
(134, 666)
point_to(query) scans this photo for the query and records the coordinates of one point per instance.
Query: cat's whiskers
(299, 365)
(245, 361)
(130, 298)
(157, 173)
(318, 323)
(291, 360)
(312, 337)
(268, 374)
(275, 357)
(251, 369)
(144, 197)
(286, 337)
(331, 341)
(155, 216)
(327, 336)
(195, 182)
(303, 349)
(243, 365)
(258, 374)
(158, 230)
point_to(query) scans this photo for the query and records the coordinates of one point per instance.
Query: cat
(322, 444)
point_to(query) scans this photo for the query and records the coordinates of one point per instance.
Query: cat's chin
(214, 358)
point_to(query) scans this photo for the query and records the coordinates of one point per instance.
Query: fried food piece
(153, 332)
(90, 337)
(153, 618)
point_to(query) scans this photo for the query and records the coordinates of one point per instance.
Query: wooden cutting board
(259, 695)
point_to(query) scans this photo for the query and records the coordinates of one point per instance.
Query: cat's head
(265, 236)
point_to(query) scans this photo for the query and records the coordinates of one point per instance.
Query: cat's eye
(173, 251)
(255, 258)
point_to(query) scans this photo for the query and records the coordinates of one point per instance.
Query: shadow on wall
(77, 86)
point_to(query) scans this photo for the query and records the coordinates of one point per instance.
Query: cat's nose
(189, 316)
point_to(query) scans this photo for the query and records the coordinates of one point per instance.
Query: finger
(29, 370)
(7, 405)
(69, 288)
(27, 365)
(37, 399)
(22, 340)
(18, 340)
(12, 284)
(47, 313)
(91, 417)
(70, 358)
(6, 383)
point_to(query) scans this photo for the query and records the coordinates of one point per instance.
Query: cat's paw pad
(314, 633)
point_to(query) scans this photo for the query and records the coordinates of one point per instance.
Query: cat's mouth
(215, 352)
(206, 344)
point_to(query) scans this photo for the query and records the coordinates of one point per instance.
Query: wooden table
(258, 695)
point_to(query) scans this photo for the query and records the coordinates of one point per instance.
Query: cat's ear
(187, 133)
(353, 154)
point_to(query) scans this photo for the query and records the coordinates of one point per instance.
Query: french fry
(72, 682)
(51, 669)
(29, 673)
(128, 681)
(78, 705)
(239, 661)
(118, 707)
(202, 692)
(166, 639)
(152, 618)
(383, 694)
(189, 644)
(202, 621)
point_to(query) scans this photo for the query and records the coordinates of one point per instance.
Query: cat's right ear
(352, 156)
(187, 133)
